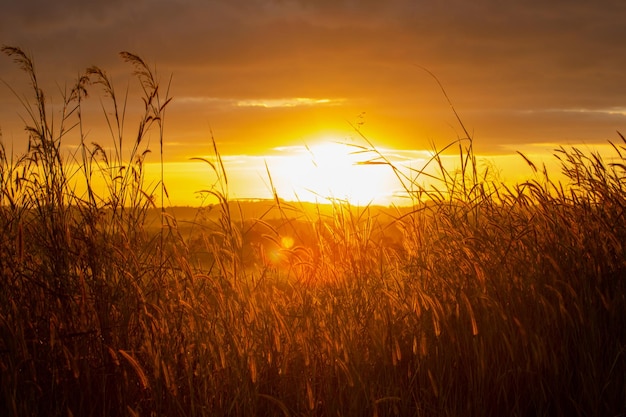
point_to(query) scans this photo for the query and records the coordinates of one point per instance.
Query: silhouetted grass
(479, 300)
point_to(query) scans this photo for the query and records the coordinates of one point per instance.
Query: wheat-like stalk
(479, 299)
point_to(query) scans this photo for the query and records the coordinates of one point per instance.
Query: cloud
(611, 111)
(266, 103)
(288, 102)
(483, 41)
(494, 58)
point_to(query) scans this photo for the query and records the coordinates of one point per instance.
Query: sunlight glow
(329, 169)
(287, 242)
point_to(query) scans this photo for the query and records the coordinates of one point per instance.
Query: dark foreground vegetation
(480, 300)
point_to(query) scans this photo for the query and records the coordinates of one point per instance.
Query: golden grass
(480, 300)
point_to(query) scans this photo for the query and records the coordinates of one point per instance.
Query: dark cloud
(494, 57)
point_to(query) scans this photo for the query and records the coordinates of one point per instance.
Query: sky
(272, 79)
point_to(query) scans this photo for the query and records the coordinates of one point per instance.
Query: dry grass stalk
(481, 299)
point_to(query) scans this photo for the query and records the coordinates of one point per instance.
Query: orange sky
(271, 77)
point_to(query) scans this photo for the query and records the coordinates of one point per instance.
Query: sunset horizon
(338, 160)
(359, 208)
(266, 80)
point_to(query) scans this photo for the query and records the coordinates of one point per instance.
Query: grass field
(478, 300)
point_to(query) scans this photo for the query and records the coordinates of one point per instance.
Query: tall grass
(480, 299)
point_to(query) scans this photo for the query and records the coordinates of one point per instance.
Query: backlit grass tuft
(478, 300)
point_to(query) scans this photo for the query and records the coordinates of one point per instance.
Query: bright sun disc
(333, 170)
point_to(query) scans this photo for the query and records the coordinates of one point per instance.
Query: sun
(330, 169)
